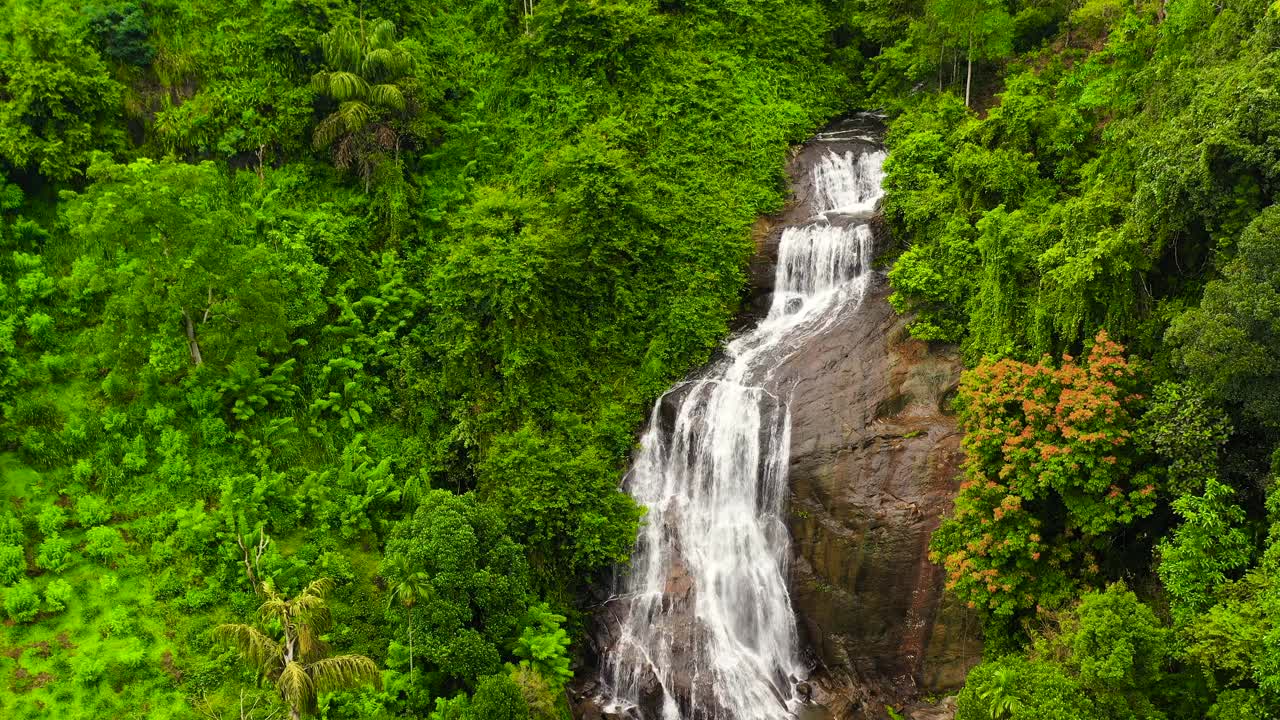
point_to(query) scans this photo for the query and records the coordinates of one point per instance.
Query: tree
(1205, 550)
(477, 581)
(498, 697)
(410, 587)
(58, 103)
(368, 76)
(1050, 470)
(190, 271)
(543, 646)
(296, 662)
(121, 32)
(983, 28)
(1230, 344)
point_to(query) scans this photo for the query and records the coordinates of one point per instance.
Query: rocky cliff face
(875, 461)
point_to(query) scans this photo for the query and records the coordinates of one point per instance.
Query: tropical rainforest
(327, 327)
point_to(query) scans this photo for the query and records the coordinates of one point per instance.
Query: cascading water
(707, 631)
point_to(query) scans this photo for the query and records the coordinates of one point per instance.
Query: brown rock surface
(875, 457)
(875, 461)
(874, 464)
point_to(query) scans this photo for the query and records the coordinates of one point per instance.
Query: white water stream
(708, 621)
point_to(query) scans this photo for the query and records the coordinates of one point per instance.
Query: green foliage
(92, 510)
(1050, 471)
(188, 274)
(57, 594)
(51, 520)
(565, 504)
(21, 603)
(1230, 342)
(543, 646)
(54, 554)
(13, 564)
(1017, 689)
(120, 32)
(1106, 657)
(1187, 432)
(369, 79)
(497, 697)
(478, 582)
(1208, 547)
(298, 662)
(61, 104)
(1114, 643)
(105, 544)
(1095, 192)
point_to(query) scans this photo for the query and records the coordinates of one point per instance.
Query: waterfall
(706, 628)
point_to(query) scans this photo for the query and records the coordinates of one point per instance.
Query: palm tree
(367, 69)
(411, 587)
(297, 661)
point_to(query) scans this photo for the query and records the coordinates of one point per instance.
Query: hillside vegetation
(358, 307)
(326, 329)
(1097, 232)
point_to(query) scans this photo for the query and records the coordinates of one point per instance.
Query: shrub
(86, 668)
(21, 602)
(57, 594)
(54, 554)
(13, 564)
(92, 510)
(498, 697)
(104, 543)
(51, 520)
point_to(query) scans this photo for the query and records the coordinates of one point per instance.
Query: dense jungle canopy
(327, 327)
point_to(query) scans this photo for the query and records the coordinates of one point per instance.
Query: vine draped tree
(296, 662)
(368, 75)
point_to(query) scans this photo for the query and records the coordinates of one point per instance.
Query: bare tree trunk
(192, 344)
(968, 81)
(251, 566)
(941, 60)
(411, 644)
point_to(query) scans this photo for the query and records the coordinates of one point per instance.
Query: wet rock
(875, 459)
(944, 709)
(875, 462)
(650, 696)
(804, 691)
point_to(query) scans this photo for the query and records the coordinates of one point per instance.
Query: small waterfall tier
(706, 630)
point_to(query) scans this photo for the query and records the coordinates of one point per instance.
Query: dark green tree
(58, 103)
(477, 590)
(1230, 344)
(186, 272)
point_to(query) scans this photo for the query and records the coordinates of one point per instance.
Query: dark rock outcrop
(875, 458)
(874, 463)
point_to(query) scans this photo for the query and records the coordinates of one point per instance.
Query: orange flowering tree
(1051, 468)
